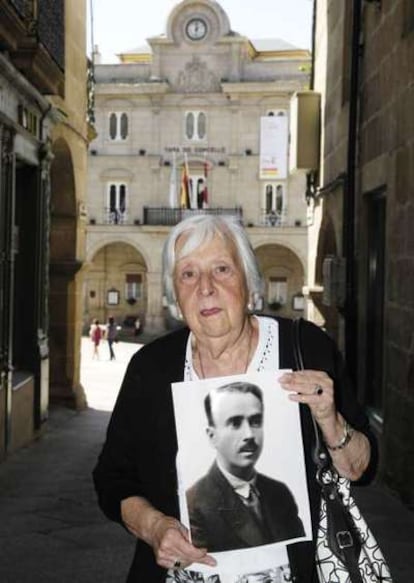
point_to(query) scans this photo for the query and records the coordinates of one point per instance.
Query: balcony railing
(159, 216)
(115, 217)
(172, 216)
(166, 216)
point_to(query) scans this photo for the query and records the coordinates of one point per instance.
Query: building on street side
(43, 139)
(195, 121)
(361, 242)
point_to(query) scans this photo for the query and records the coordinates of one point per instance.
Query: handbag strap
(320, 455)
(327, 477)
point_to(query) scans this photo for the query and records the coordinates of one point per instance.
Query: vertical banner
(273, 146)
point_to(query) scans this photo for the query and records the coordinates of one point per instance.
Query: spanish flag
(185, 188)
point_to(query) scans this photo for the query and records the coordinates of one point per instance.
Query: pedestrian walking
(95, 334)
(111, 336)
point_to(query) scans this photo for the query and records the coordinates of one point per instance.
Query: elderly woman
(211, 279)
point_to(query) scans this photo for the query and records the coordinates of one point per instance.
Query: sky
(120, 25)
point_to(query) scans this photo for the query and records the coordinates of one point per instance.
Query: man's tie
(253, 503)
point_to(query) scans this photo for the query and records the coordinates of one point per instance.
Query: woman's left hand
(313, 388)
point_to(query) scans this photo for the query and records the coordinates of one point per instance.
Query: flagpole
(184, 198)
(205, 190)
(187, 183)
(173, 184)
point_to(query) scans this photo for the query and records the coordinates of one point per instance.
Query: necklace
(249, 349)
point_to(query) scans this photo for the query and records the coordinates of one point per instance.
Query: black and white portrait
(244, 492)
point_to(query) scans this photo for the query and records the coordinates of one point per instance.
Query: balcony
(168, 217)
(32, 32)
(172, 216)
(160, 216)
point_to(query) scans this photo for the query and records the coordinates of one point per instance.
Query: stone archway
(284, 277)
(116, 284)
(64, 359)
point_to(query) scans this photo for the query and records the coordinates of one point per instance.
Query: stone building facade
(203, 104)
(362, 241)
(43, 139)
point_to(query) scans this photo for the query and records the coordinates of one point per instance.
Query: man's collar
(241, 487)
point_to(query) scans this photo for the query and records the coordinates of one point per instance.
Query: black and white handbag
(346, 549)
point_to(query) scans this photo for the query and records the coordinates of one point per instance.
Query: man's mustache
(250, 447)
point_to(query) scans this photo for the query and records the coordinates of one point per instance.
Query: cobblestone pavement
(51, 530)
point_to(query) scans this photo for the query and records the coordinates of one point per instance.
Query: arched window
(201, 125)
(113, 123)
(195, 125)
(118, 126)
(269, 197)
(189, 125)
(274, 203)
(117, 203)
(124, 126)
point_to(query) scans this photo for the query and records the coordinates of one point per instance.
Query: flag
(200, 193)
(205, 191)
(185, 187)
(173, 184)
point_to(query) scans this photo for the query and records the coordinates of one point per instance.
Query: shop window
(277, 292)
(118, 126)
(133, 287)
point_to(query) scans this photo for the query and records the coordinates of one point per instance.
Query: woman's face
(211, 289)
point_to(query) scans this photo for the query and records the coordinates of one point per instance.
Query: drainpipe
(348, 228)
(312, 77)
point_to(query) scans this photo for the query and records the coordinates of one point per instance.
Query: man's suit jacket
(220, 521)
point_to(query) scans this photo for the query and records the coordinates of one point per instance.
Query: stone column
(154, 319)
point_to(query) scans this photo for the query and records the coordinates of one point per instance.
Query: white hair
(202, 229)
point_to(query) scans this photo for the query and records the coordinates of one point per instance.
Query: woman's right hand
(171, 544)
(168, 538)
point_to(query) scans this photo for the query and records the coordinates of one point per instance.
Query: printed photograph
(244, 491)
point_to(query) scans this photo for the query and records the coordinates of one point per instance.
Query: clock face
(196, 29)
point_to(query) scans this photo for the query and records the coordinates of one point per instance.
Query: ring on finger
(318, 390)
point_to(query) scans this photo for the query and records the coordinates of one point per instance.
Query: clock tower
(197, 22)
(196, 29)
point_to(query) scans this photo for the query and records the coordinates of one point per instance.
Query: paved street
(50, 527)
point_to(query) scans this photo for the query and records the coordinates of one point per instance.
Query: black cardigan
(138, 457)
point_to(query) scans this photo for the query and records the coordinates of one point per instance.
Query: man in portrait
(233, 506)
